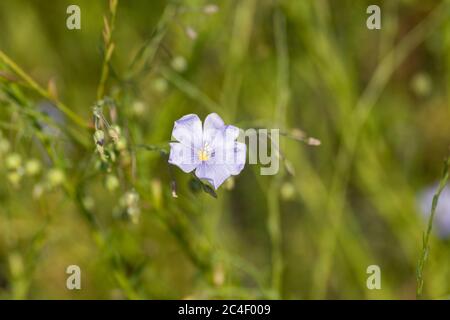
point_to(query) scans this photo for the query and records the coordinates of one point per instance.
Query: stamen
(203, 155)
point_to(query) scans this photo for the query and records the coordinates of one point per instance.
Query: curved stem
(426, 238)
(40, 90)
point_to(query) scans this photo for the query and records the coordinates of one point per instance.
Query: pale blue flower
(442, 216)
(212, 150)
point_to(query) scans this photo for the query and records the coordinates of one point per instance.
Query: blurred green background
(378, 100)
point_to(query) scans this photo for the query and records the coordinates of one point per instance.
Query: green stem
(273, 202)
(41, 91)
(274, 229)
(426, 238)
(355, 126)
(109, 48)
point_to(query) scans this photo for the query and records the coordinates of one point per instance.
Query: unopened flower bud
(134, 213)
(88, 202)
(422, 84)
(38, 190)
(287, 191)
(13, 161)
(138, 108)
(14, 178)
(179, 63)
(114, 133)
(4, 146)
(314, 142)
(191, 33)
(32, 167)
(211, 9)
(131, 203)
(55, 177)
(131, 198)
(99, 137)
(160, 85)
(112, 183)
(121, 144)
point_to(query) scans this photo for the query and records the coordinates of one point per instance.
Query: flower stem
(426, 237)
(109, 47)
(40, 90)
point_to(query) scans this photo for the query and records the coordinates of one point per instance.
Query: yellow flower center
(203, 155)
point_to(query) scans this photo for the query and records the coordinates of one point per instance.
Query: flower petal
(215, 174)
(213, 151)
(211, 127)
(183, 156)
(213, 121)
(188, 131)
(232, 132)
(237, 162)
(224, 138)
(227, 150)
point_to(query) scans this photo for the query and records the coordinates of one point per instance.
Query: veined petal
(188, 131)
(212, 150)
(215, 174)
(183, 156)
(225, 138)
(211, 127)
(236, 162)
(232, 132)
(226, 150)
(213, 121)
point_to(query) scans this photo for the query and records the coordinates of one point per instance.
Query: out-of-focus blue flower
(48, 109)
(212, 151)
(442, 215)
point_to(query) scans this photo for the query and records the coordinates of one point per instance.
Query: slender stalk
(109, 47)
(426, 239)
(190, 90)
(144, 58)
(40, 90)
(367, 101)
(274, 212)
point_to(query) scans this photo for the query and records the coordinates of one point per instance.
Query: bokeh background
(378, 100)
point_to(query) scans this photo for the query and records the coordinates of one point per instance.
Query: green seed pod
(4, 146)
(160, 85)
(179, 63)
(32, 167)
(121, 144)
(287, 191)
(13, 161)
(88, 202)
(55, 177)
(114, 133)
(99, 137)
(111, 182)
(138, 108)
(422, 84)
(38, 190)
(14, 178)
(134, 213)
(131, 198)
